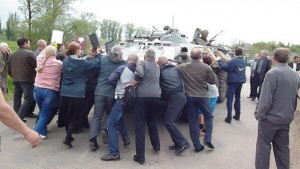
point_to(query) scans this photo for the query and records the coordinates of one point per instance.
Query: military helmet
(204, 32)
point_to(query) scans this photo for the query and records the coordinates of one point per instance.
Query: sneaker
(110, 157)
(43, 136)
(104, 137)
(209, 145)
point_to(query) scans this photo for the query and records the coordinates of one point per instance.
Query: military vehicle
(176, 47)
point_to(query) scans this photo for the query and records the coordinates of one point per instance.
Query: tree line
(39, 17)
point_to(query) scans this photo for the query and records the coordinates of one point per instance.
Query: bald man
(275, 112)
(172, 92)
(121, 78)
(195, 76)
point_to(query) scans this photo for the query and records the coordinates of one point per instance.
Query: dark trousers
(252, 86)
(174, 108)
(234, 90)
(278, 135)
(193, 104)
(102, 104)
(145, 111)
(25, 88)
(257, 84)
(89, 103)
(70, 114)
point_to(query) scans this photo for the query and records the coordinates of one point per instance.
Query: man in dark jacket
(21, 67)
(295, 65)
(148, 96)
(104, 94)
(195, 76)
(172, 91)
(236, 69)
(262, 67)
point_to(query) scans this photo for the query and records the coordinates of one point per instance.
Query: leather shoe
(197, 150)
(104, 136)
(209, 145)
(253, 98)
(182, 148)
(227, 120)
(110, 157)
(173, 147)
(236, 117)
(94, 146)
(249, 97)
(31, 115)
(157, 149)
(68, 143)
(126, 141)
(138, 159)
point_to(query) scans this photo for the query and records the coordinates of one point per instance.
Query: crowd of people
(69, 83)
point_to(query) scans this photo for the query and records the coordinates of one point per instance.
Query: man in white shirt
(295, 65)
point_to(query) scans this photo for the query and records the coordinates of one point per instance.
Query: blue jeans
(234, 89)
(193, 104)
(44, 99)
(115, 119)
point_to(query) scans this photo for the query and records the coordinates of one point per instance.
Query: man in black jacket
(172, 92)
(21, 67)
(295, 65)
(262, 67)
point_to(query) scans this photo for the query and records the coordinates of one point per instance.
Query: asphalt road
(234, 146)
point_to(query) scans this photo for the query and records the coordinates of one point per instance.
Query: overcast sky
(247, 20)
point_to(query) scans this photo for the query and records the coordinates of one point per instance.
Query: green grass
(13, 46)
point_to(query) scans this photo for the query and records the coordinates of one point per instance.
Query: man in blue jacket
(236, 69)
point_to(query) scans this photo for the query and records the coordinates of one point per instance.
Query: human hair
(265, 51)
(21, 41)
(49, 51)
(3, 45)
(61, 56)
(132, 58)
(196, 54)
(150, 53)
(207, 60)
(281, 55)
(295, 57)
(72, 48)
(238, 52)
(41, 43)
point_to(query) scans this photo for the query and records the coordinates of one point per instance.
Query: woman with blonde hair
(46, 86)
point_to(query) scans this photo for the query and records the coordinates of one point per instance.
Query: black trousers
(145, 111)
(252, 86)
(89, 103)
(257, 85)
(70, 114)
(28, 105)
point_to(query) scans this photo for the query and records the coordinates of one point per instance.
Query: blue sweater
(74, 76)
(236, 69)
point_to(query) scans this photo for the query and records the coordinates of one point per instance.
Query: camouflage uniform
(3, 72)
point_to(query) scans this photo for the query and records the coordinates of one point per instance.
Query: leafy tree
(12, 26)
(129, 30)
(111, 30)
(141, 31)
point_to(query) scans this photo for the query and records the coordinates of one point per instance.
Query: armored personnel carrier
(176, 47)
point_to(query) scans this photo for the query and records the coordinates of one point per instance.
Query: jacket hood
(115, 57)
(167, 65)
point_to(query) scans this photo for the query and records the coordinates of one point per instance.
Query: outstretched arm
(10, 119)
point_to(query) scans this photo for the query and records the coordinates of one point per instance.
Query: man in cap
(275, 112)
